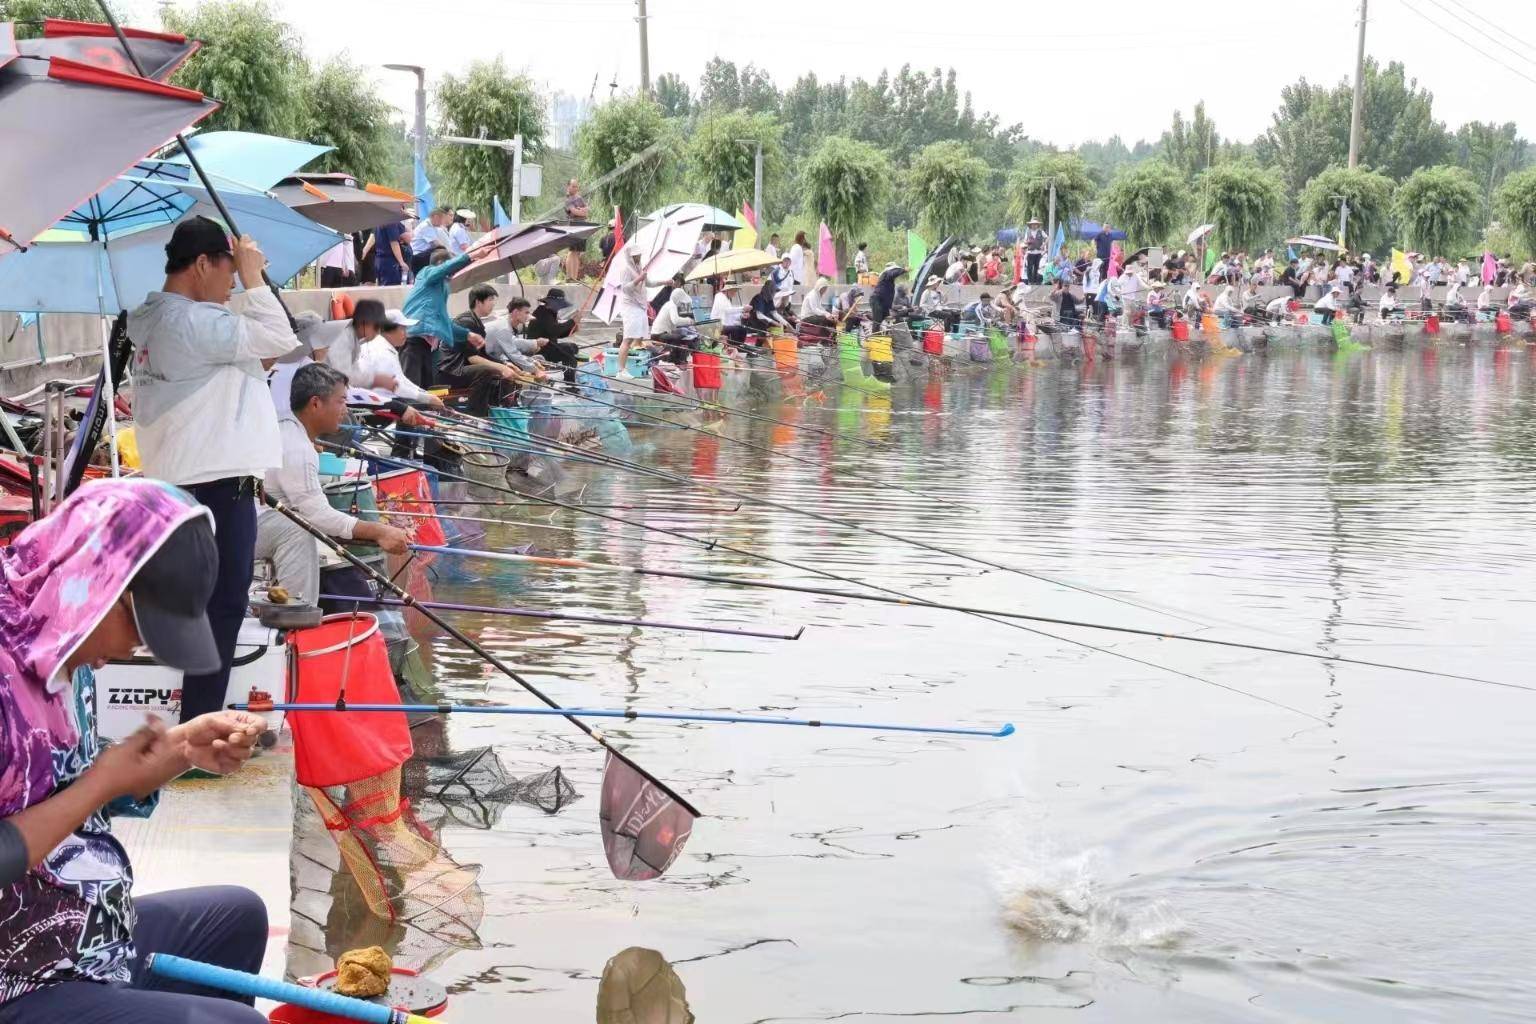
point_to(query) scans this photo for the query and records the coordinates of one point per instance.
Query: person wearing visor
(202, 412)
(120, 565)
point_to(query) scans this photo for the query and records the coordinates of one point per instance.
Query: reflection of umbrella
(639, 987)
(67, 128)
(1315, 241)
(665, 247)
(715, 219)
(1200, 232)
(159, 53)
(736, 261)
(341, 204)
(518, 246)
(109, 254)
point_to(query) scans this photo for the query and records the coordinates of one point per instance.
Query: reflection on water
(1147, 847)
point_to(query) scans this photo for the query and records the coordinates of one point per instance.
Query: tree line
(906, 149)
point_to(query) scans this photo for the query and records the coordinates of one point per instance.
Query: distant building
(566, 114)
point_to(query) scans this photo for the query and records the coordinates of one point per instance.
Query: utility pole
(645, 53)
(1359, 104)
(757, 180)
(1050, 222)
(514, 146)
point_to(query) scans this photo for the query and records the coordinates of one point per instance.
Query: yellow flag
(746, 235)
(1401, 267)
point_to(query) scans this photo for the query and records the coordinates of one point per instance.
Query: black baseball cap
(170, 599)
(194, 237)
(555, 299)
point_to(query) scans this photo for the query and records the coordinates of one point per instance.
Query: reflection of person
(318, 400)
(119, 565)
(203, 415)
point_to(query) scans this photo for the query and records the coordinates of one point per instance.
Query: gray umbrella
(69, 129)
(89, 42)
(341, 203)
(518, 246)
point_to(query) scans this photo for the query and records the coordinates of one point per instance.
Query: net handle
(352, 639)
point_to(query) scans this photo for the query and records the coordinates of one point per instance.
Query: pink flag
(1490, 268)
(826, 256)
(749, 215)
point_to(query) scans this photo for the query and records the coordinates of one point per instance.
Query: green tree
(720, 168)
(344, 112)
(618, 133)
(1146, 200)
(673, 96)
(720, 85)
(1437, 210)
(845, 184)
(1244, 201)
(1516, 206)
(1029, 188)
(1490, 153)
(947, 186)
(1370, 206)
(1191, 147)
(486, 102)
(29, 14)
(251, 62)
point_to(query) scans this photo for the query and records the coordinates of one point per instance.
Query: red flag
(749, 215)
(618, 230)
(644, 829)
(1018, 263)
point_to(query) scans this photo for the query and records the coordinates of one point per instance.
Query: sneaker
(625, 375)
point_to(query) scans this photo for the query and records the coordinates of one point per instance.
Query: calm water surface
(1149, 846)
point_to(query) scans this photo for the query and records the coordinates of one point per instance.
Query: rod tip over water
(798, 633)
(1006, 730)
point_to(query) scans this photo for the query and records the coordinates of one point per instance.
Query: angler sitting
(979, 312)
(548, 331)
(672, 331)
(119, 565)
(318, 398)
(1389, 308)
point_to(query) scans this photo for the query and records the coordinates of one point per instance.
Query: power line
(1468, 45)
(1496, 28)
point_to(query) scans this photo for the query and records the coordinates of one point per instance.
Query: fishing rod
(489, 658)
(627, 714)
(518, 523)
(873, 531)
(635, 570)
(533, 613)
(769, 451)
(658, 507)
(254, 986)
(905, 597)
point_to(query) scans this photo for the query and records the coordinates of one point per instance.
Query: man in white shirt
(772, 248)
(201, 410)
(429, 234)
(379, 361)
(319, 406)
(861, 259)
(458, 232)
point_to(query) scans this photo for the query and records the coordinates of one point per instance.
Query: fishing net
(472, 789)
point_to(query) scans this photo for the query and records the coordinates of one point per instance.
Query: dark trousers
(221, 925)
(335, 277)
(232, 502)
(486, 387)
(878, 311)
(563, 353)
(1032, 267)
(387, 272)
(417, 362)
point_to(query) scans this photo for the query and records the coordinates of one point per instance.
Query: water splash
(1048, 897)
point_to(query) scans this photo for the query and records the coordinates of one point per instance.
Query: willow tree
(1146, 200)
(344, 112)
(721, 158)
(1515, 202)
(845, 184)
(1244, 201)
(946, 186)
(623, 149)
(1369, 195)
(28, 14)
(1437, 209)
(485, 102)
(252, 64)
(1029, 188)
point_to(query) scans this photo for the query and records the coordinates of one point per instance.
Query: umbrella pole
(109, 393)
(181, 139)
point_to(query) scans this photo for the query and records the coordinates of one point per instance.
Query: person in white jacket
(379, 361)
(202, 413)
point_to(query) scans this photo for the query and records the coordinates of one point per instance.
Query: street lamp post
(420, 131)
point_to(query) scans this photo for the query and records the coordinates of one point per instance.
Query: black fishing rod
(904, 597)
(489, 658)
(850, 524)
(765, 449)
(658, 507)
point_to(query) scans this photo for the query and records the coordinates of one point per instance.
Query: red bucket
(706, 371)
(933, 341)
(1502, 323)
(1432, 325)
(1180, 330)
(332, 748)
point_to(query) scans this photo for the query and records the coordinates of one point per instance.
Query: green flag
(1210, 255)
(917, 251)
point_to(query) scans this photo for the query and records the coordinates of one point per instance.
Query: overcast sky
(1068, 72)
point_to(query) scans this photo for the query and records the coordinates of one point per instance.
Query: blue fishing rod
(628, 714)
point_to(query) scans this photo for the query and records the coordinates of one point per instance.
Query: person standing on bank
(576, 211)
(203, 415)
